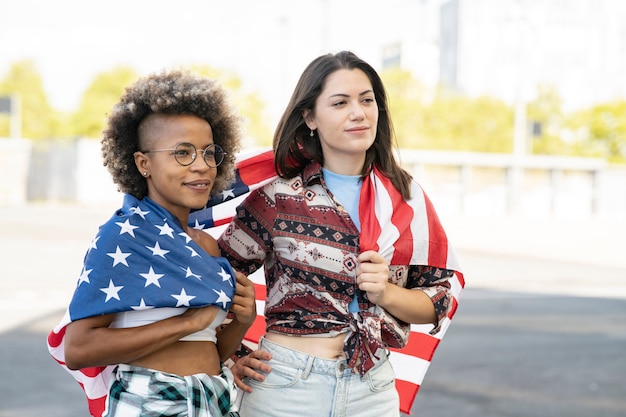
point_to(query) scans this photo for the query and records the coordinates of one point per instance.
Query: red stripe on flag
(407, 391)
(263, 168)
(257, 330)
(259, 292)
(438, 245)
(96, 405)
(93, 371)
(460, 278)
(55, 339)
(420, 345)
(222, 222)
(401, 216)
(370, 227)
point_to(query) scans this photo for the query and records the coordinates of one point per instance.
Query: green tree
(406, 97)
(39, 120)
(248, 103)
(97, 101)
(460, 123)
(446, 121)
(546, 115)
(602, 129)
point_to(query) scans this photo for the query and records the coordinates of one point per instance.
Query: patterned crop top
(308, 244)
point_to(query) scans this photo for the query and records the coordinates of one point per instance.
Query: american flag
(408, 233)
(383, 205)
(140, 259)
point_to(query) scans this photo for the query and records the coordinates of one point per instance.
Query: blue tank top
(347, 190)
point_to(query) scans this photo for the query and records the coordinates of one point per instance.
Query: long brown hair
(294, 148)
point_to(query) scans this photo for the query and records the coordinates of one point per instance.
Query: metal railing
(458, 182)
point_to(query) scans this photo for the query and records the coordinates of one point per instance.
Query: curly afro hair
(168, 92)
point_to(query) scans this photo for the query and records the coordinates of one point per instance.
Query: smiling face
(175, 187)
(345, 118)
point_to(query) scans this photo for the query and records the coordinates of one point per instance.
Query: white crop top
(137, 318)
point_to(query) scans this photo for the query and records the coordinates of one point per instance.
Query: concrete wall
(15, 157)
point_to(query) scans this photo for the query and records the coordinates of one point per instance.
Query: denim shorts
(301, 385)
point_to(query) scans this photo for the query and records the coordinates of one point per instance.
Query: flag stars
(183, 299)
(94, 243)
(152, 278)
(228, 194)
(157, 251)
(126, 227)
(139, 212)
(198, 226)
(193, 251)
(84, 276)
(119, 257)
(222, 298)
(111, 291)
(189, 273)
(142, 306)
(166, 230)
(186, 236)
(156, 279)
(225, 275)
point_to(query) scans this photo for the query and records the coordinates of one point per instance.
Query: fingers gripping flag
(408, 233)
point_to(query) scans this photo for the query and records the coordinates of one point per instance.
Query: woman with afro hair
(153, 291)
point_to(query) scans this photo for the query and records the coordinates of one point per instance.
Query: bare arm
(90, 342)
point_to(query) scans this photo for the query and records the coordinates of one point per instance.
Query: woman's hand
(372, 276)
(244, 303)
(249, 367)
(200, 318)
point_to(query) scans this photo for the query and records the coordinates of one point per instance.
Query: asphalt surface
(540, 329)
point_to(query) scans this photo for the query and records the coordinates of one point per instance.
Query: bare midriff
(322, 347)
(183, 359)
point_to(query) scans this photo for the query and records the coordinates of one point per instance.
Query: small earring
(311, 133)
(145, 174)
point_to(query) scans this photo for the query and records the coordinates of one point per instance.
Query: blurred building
(506, 48)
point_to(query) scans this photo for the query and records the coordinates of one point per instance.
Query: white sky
(267, 42)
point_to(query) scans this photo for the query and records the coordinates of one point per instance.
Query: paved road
(540, 329)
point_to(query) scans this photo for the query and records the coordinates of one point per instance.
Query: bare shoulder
(206, 241)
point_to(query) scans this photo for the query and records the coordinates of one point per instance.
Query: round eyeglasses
(185, 153)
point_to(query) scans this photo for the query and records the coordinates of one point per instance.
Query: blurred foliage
(460, 123)
(545, 119)
(406, 105)
(248, 103)
(39, 119)
(423, 118)
(446, 121)
(603, 129)
(98, 100)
